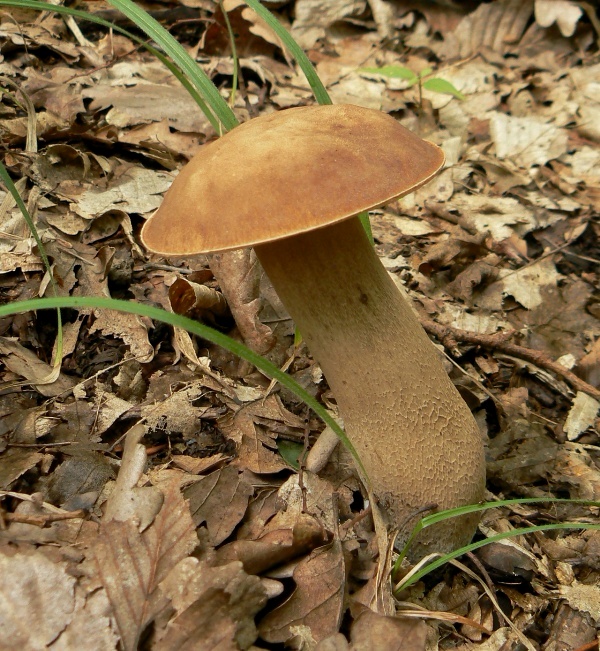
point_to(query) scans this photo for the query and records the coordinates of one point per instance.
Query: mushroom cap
(286, 173)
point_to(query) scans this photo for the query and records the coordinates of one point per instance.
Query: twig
(42, 520)
(449, 335)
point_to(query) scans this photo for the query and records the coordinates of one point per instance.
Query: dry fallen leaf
(317, 601)
(371, 631)
(25, 363)
(220, 500)
(473, 34)
(131, 565)
(252, 427)
(215, 607)
(276, 547)
(33, 588)
(585, 598)
(238, 275)
(564, 13)
(527, 140)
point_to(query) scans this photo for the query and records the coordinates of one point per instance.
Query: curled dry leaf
(186, 296)
(238, 274)
(25, 363)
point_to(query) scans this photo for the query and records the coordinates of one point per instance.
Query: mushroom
(291, 184)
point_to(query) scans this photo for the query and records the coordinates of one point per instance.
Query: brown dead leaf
(136, 190)
(371, 632)
(131, 328)
(496, 26)
(196, 300)
(148, 102)
(317, 601)
(582, 415)
(527, 140)
(313, 17)
(522, 453)
(471, 279)
(160, 142)
(176, 411)
(33, 589)
(571, 629)
(220, 500)
(585, 598)
(526, 285)
(36, 36)
(14, 463)
(252, 428)
(25, 363)
(27, 262)
(131, 565)
(215, 607)
(80, 478)
(238, 275)
(576, 469)
(276, 547)
(198, 466)
(589, 365)
(59, 91)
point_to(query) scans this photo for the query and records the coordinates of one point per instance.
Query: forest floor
(132, 485)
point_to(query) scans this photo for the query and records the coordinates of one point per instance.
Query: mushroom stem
(415, 435)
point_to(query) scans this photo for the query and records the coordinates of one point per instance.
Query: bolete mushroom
(291, 184)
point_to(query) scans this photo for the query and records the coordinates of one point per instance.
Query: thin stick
(449, 335)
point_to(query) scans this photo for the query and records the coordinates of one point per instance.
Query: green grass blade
(234, 54)
(10, 186)
(438, 562)
(440, 516)
(194, 327)
(179, 55)
(321, 95)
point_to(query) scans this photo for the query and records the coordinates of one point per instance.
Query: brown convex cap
(287, 173)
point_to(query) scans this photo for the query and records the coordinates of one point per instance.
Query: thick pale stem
(415, 435)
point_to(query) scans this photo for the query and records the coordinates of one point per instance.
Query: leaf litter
(195, 532)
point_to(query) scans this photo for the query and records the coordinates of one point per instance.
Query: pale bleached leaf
(33, 589)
